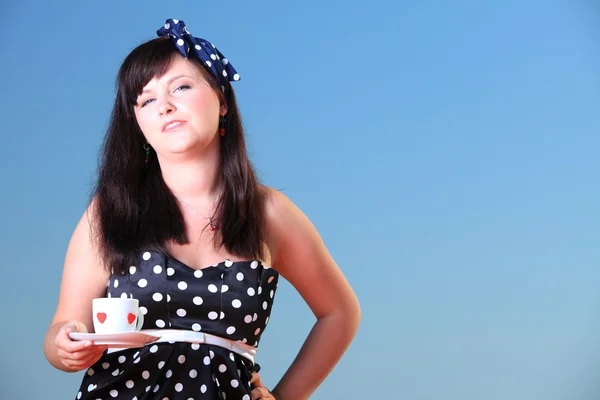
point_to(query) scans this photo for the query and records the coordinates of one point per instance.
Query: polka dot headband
(212, 58)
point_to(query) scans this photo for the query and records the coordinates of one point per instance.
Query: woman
(179, 221)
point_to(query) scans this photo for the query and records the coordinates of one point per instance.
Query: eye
(183, 87)
(146, 102)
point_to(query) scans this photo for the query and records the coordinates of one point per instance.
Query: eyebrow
(171, 80)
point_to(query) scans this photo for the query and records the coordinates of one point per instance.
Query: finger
(260, 393)
(255, 380)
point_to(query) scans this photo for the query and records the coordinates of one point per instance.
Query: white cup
(116, 315)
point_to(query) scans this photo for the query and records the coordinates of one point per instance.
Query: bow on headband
(212, 58)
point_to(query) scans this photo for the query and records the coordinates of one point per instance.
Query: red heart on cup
(130, 318)
(101, 317)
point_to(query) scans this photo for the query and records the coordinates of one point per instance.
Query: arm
(83, 279)
(300, 256)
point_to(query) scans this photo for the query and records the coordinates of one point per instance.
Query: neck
(193, 180)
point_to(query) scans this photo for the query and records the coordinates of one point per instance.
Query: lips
(172, 125)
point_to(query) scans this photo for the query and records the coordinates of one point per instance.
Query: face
(179, 112)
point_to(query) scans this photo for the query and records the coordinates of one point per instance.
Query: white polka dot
(246, 397)
(272, 293)
(244, 340)
(213, 57)
(234, 383)
(144, 310)
(145, 374)
(157, 297)
(232, 357)
(196, 327)
(181, 359)
(175, 21)
(114, 393)
(116, 283)
(206, 360)
(222, 315)
(160, 323)
(161, 364)
(228, 263)
(156, 388)
(123, 295)
(182, 285)
(236, 77)
(230, 330)
(239, 276)
(212, 288)
(195, 346)
(146, 256)
(197, 47)
(179, 42)
(129, 384)
(225, 61)
(255, 317)
(131, 270)
(267, 321)
(265, 305)
(167, 25)
(153, 349)
(224, 73)
(157, 269)
(259, 289)
(217, 382)
(78, 395)
(211, 353)
(203, 390)
(142, 283)
(105, 365)
(91, 372)
(222, 368)
(137, 353)
(251, 292)
(208, 63)
(253, 264)
(198, 273)
(213, 315)
(137, 360)
(197, 300)
(236, 303)
(193, 373)
(257, 331)
(270, 279)
(122, 359)
(181, 312)
(170, 271)
(148, 388)
(248, 319)
(168, 298)
(169, 373)
(224, 288)
(178, 387)
(91, 387)
(115, 372)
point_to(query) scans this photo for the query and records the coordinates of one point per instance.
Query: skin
(189, 160)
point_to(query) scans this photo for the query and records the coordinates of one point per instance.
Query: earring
(222, 125)
(147, 148)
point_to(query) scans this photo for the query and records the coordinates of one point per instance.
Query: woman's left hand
(258, 389)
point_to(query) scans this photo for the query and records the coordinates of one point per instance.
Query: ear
(223, 110)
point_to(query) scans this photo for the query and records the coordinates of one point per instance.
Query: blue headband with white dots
(212, 58)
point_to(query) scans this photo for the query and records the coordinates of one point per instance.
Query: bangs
(148, 61)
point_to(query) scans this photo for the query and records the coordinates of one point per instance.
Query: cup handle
(140, 320)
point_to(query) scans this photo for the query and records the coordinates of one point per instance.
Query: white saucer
(116, 340)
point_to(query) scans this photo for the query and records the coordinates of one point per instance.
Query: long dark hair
(134, 209)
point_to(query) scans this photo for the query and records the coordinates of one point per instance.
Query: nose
(166, 107)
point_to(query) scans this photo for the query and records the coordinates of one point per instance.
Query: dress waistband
(183, 335)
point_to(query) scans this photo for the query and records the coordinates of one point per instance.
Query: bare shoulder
(300, 255)
(84, 275)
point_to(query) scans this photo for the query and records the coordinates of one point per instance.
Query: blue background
(446, 151)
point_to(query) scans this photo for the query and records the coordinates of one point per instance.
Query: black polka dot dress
(232, 300)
